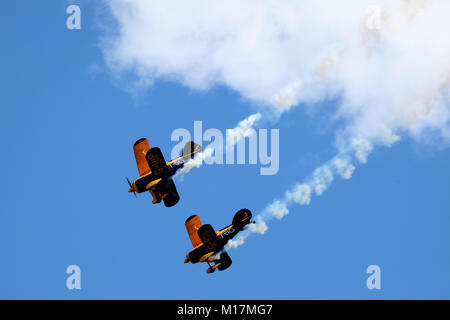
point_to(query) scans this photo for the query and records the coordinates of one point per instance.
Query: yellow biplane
(209, 245)
(155, 173)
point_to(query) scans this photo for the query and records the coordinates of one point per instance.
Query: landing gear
(165, 191)
(210, 269)
(213, 268)
(156, 196)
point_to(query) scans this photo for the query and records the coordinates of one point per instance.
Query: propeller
(131, 187)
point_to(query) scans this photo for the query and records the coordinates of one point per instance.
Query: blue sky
(68, 126)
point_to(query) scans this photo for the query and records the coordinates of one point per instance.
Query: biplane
(209, 245)
(155, 173)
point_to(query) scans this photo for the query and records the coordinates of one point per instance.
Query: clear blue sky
(67, 129)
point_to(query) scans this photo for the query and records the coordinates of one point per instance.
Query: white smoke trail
(244, 129)
(343, 165)
(387, 64)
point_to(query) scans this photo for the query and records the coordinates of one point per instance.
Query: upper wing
(208, 236)
(193, 223)
(156, 162)
(141, 148)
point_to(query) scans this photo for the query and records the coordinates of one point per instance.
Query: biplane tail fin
(243, 216)
(191, 148)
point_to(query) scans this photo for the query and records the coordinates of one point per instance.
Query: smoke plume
(386, 64)
(243, 130)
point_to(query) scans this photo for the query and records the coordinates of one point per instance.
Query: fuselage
(141, 183)
(223, 235)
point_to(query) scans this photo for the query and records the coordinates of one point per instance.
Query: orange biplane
(155, 173)
(209, 245)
